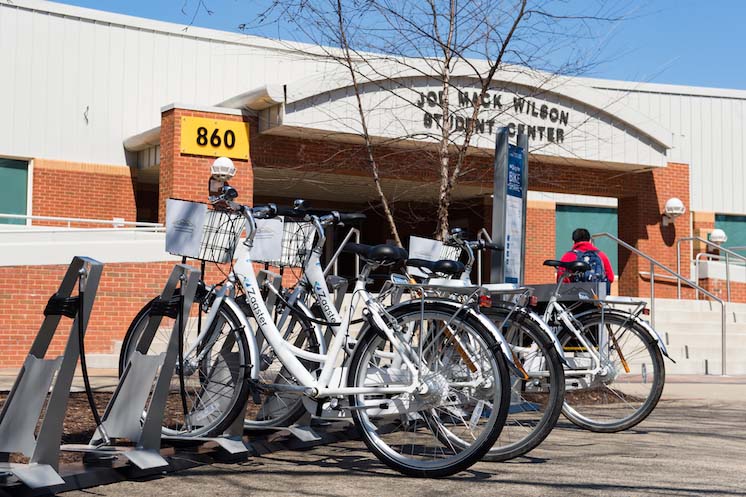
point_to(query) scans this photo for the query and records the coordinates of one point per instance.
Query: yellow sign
(214, 137)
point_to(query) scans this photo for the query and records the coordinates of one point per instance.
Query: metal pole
(652, 294)
(722, 338)
(727, 274)
(522, 141)
(499, 182)
(678, 269)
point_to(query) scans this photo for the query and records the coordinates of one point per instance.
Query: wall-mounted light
(718, 236)
(674, 208)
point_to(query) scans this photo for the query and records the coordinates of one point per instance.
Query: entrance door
(595, 220)
(13, 189)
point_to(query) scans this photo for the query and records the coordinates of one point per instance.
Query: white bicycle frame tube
(288, 353)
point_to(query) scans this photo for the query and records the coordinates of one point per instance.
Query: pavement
(694, 444)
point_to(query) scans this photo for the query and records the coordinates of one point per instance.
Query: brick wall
(24, 292)
(186, 176)
(68, 189)
(540, 241)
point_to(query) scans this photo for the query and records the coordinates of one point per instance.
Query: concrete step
(695, 305)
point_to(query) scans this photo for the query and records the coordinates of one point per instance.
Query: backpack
(596, 272)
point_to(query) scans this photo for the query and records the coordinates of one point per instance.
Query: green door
(734, 227)
(13, 189)
(595, 220)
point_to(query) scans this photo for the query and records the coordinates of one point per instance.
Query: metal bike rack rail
(680, 278)
(23, 408)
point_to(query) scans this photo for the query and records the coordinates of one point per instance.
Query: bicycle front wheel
(462, 393)
(630, 382)
(215, 372)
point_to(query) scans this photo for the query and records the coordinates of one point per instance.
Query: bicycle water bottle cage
(168, 308)
(570, 267)
(62, 306)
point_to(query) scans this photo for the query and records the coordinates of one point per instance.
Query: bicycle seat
(445, 266)
(382, 254)
(571, 266)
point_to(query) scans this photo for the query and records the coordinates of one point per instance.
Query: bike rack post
(145, 383)
(23, 408)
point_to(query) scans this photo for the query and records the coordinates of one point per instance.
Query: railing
(713, 257)
(114, 223)
(333, 262)
(728, 254)
(655, 264)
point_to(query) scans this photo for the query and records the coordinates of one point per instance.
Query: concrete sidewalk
(685, 448)
(691, 387)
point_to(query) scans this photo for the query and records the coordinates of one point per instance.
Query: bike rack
(145, 385)
(23, 408)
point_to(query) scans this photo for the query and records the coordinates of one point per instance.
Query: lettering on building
(548, 122)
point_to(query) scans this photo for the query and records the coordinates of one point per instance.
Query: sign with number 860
(214, 137)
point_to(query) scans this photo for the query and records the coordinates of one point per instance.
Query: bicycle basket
(297, 242)
(220, 233)
(450, 252)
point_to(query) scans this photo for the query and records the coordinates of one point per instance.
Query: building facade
(96, 110)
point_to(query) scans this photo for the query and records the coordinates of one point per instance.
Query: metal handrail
(728, 253)
(713, 257)
(69, 220)
(333, 262)
(680, 278)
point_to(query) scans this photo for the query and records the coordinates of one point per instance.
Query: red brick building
(103, 116)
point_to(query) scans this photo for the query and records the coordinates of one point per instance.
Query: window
(734, 227)
(595, 220)
(13, 189)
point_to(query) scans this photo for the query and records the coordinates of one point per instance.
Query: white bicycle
(426, 383)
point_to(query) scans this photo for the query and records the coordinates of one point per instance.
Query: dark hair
(581, 235)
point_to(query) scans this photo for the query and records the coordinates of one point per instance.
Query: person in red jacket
(583, 249)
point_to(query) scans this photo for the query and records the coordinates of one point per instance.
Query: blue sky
(687, 42)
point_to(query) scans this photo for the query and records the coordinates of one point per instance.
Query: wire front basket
(219, 231)
(296, 245)
(450, 252)
(220, 237)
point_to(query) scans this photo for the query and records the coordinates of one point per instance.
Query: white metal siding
(708, 134)
(54, 67)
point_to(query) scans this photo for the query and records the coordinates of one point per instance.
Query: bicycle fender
(657, 337)
(547, 331)
(645, 325)
(250, 336)
(483, 320)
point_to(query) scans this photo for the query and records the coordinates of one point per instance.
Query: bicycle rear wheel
(536, 402)
(460, 405)
(631, 382)
(216, 385)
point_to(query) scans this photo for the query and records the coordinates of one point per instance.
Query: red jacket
(583, 247)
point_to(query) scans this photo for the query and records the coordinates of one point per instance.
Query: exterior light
(674, 208)
(718, 236)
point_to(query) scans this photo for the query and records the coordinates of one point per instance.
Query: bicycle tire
(619, 400)
(434, 458)
(220, 389)
(536, 403)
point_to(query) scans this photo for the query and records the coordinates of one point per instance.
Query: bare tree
(445, 41)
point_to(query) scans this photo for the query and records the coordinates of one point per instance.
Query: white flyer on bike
(185, 223)
(267, 240)
(423, 248)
